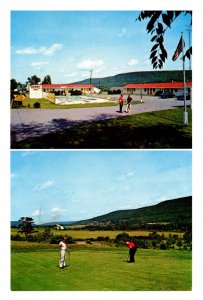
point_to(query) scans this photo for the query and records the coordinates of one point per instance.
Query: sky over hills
(75, 185)
(68, 44)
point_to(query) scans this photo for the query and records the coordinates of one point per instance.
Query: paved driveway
(35, 122)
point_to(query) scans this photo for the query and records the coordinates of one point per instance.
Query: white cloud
(30, 50)
(123, 177)
(132, 62)
(51, 50)
(88, 64)
(13, 175)
(123, 32)
(58, 210)
(73, 74)
(27, 153)
(129, 174)
(37, 213)
(44, 185)
(39, 64)
(41, 50)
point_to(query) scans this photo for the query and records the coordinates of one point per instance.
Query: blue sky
(75, 185)
(68, 44)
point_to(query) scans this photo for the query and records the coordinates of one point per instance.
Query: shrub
(122, 237)
(17, 237)
(162, 246)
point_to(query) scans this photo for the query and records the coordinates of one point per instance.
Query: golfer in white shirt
(62, 244)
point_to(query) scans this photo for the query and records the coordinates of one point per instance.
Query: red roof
(159, 85)
(67, 85)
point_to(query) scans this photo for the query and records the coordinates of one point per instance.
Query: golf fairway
(96, 269)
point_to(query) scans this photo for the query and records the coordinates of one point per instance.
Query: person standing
(121, 103)
(132, 251)
(63, 247)
(129, 100)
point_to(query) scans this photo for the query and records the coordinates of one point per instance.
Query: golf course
(34, 267)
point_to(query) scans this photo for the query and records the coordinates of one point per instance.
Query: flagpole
(185, 114)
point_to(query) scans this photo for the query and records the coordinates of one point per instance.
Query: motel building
(152, 88)
(43, 90)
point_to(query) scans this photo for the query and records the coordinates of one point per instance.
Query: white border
(8, 5)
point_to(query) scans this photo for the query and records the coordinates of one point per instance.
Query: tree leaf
(159, 29)
(153, 53)
(154, 47)
(154, 38)
(170, 14)
(154, 59)
(152, 21)
(166, 20)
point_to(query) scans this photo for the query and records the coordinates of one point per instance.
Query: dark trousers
(121, 106)
(132, 254)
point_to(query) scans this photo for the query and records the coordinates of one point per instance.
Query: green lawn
(45, 104)
(153, 130)
(101, 269)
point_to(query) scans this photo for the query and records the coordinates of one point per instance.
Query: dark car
(181, 97)
(166, 95)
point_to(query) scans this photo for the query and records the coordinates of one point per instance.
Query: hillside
(167, 211)
(138, 77)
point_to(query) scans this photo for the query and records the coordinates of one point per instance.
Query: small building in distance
(156, 88)
(41, 90)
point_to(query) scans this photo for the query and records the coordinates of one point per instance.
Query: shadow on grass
(153, 130)
(103, 136)
(23, 132)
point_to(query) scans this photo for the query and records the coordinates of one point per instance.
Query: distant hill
(138, 77)
(167, 211)
(65, 223)
(16, 223)
(175, 210)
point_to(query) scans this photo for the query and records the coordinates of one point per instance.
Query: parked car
(158, 93)
(166, 95)
(181, 97)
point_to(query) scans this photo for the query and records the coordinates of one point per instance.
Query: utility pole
(91, 76)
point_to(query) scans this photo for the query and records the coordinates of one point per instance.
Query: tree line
(32, 80)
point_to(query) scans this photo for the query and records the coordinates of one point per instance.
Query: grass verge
(152, 130)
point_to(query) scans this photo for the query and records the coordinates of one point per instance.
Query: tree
(159, 22)
(179, 244)
(13, 84)
(46, 80)
(26, 226)
(33, 80)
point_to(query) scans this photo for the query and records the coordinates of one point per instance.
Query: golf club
(69, 258)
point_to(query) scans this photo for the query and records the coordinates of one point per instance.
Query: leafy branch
(159, 22)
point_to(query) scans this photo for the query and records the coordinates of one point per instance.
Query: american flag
(179, 49)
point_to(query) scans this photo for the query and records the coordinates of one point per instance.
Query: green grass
(99, 269)
(153, 130)
(45, 104)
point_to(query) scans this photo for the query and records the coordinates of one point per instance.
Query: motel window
(145, 90)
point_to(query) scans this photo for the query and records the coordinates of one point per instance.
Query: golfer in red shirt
(132, 250)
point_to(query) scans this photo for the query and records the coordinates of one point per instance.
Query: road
(35, 122)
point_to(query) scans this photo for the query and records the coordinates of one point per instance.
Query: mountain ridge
(172, 210)
(122, 79)
(165, 211)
